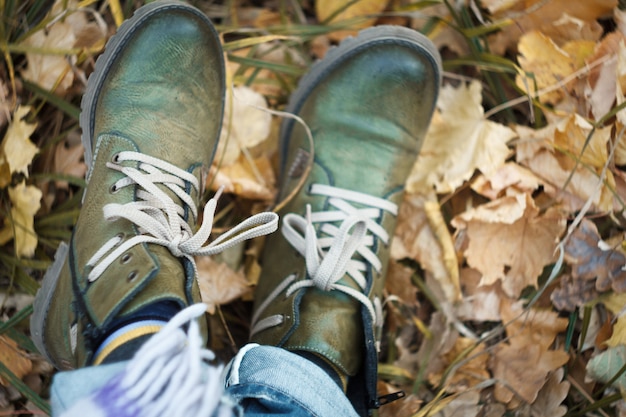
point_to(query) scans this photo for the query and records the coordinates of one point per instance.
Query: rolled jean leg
(266, 380)
(170, 375)
(70, 387)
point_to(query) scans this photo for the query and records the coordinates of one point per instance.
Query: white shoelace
(329, 258)
(168, 376)
(160, 220)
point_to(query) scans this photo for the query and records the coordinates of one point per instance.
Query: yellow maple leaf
(25, 202)
(325, 9)
(459, 142)
(510, 241)
(16, 150)
(548, 64)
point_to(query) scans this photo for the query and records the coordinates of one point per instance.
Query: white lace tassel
(169, 376)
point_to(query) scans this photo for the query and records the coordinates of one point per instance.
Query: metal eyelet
(113, 189)
(131, 276)
(116, 158)
(126, 258)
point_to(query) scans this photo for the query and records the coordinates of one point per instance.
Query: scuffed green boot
(367, 104)
(151, 118)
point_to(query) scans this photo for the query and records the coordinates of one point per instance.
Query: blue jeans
(259, 381)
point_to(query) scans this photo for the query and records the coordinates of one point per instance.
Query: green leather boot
(367, 105)
(151, 118)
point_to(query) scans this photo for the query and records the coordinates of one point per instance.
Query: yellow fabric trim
(124, 338)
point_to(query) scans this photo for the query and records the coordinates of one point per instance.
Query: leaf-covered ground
(507, 285)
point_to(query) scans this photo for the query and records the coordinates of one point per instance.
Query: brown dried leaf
(522, 367)
(509, 179)
(69, 160)
(551, 396)
(540, 326)
(421, 234)
(551, 154)
(408, 406)
(561, 20)
(480, 302)
(473, 368)
(510, 241)
(398, 283)
(13, 358)
(218, 283)
(573, 293)
(249, 179)
(593, 259)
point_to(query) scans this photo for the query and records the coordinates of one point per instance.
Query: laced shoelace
(161, 220)
(170, 375)
(329, 257)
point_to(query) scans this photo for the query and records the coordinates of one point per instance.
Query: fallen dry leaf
(69, 160)
(547, 64)
(510, 241)
(551, 154)
(16, 150)
(480, 302)
(218, 283)
(459, 142)
(471, 371)
(561, 20)
(13, 358)
(522, 368)
(509, 179)
(53, 71)
(551, 396)
(573, 293)
(25, 202)
(605, 365)
(421, 235)
(540, 326)
(249, 179)
(593, 259)
(360, 12)
(245, 124)
(464, 404)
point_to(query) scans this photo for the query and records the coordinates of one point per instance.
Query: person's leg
(367, 106)
(151, 118)
(168, 376)
(267, 380)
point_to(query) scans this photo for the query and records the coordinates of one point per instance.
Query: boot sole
(43, 298)
(338, 54)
